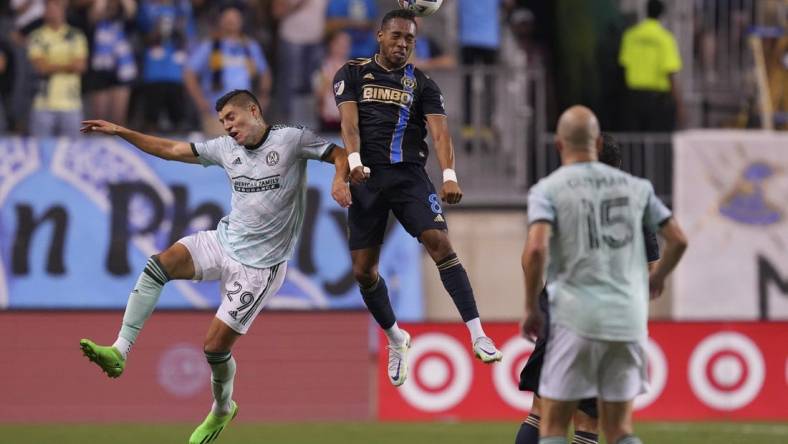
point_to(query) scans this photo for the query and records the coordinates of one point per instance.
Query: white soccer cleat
(398, 361)
(484, 348)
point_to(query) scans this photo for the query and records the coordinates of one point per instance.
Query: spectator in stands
(357, 18)
(151, 12)
(479, 41)
(58, 53)
(164, 56)
(112, 67)
(428, 55)
(651, 63)
(301, 27)
(227, 61)
(6, 84)
(338, 51)
(777, 73)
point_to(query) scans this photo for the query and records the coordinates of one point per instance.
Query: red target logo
(440, 373)
(506, 374)
(182, 370)
(657, 370)
(726, 371)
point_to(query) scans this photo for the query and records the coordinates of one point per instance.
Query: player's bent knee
(437, 244)
(365, 276)
(177, 262)
(220, 337)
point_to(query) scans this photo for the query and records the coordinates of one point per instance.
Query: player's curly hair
(404, 14)
(611, 151)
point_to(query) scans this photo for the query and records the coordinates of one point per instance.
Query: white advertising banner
(731, 196)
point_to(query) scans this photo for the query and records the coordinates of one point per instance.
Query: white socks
(142, 301)
(475, 329)
(222, 378)
(395, 335)
(123, 345)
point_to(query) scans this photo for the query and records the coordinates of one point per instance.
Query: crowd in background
(159, 65)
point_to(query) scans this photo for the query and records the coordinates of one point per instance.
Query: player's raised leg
(376, 297)
(455, 281)
(218, 345)
(174, 263)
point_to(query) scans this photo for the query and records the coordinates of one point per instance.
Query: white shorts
(245, 290)
(578, 368)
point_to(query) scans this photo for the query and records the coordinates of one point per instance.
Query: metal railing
(647, 155)
(491, 149)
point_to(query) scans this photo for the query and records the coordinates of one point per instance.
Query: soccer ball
(421, 8)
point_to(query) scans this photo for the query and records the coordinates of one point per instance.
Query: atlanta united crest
(272, 158)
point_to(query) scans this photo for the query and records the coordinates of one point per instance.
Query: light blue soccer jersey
(597, 274)
(269, 192)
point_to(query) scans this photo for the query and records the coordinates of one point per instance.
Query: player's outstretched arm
(675, 244)
(164, 148)
(352, 139)
(534, 260)
(439, 129)
(339, 187)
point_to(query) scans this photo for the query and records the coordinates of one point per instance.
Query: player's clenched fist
(358, 172)
(451, 193)
(359, 175)
(532, 325)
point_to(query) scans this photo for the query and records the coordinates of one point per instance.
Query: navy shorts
(404, 189)
(529, 377)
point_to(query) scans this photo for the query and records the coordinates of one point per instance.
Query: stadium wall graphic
(289, 368)
(697, 371)
(78, 219)
(731, 197)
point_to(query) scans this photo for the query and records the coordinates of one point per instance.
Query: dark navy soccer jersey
(392, 109)
(652, 246)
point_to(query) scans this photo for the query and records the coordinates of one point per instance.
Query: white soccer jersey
(597, 275)
(269, 192)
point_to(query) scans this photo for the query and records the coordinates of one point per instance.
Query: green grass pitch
(375, 433)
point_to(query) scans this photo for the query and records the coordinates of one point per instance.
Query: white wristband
(449, 175)
(354, 160)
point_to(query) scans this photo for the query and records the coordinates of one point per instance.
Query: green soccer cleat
(213, 425)
(108, 358)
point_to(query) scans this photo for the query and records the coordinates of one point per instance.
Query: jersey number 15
(614, 222)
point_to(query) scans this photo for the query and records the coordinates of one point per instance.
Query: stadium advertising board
(730, 191)
(697, 371)
(80, 217)
(286, 369)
